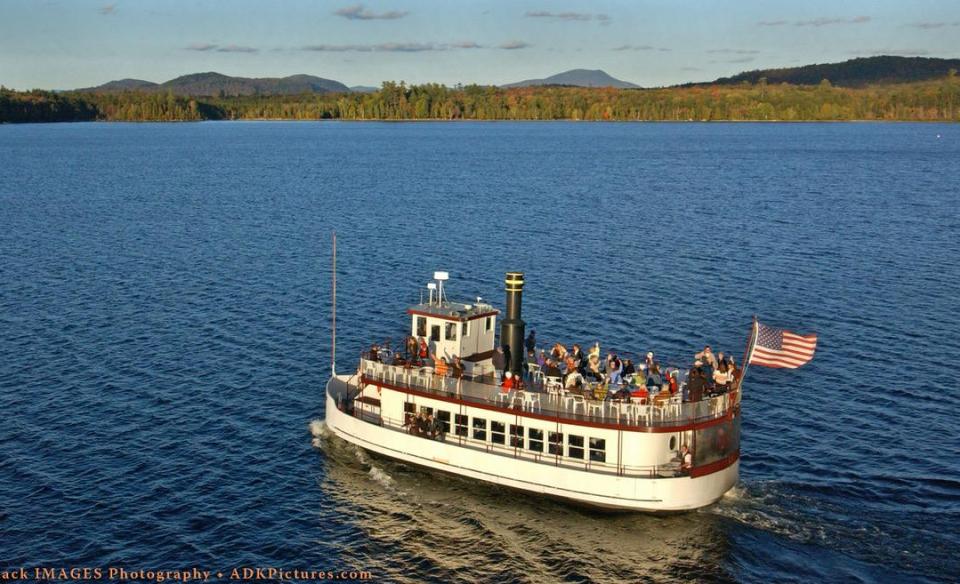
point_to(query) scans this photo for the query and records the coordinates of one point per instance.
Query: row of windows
(449, 329)
(478, 429)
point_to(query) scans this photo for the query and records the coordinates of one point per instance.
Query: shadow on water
(420, 525)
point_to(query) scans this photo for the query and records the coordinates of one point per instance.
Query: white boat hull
(602, 490)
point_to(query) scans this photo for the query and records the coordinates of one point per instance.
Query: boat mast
(751, 341)
(333, 333)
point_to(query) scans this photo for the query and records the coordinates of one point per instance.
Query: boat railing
(667, 470)
(544, 401)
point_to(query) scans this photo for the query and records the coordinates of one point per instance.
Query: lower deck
(616, 467)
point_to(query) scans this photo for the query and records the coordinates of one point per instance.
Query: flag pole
(333, 333)
(748, 351)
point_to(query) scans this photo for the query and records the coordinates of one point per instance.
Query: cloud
(928, 25)
(568, 16)
(733, 61)
(393, 47)
(817, 22)
(108, 9)
(209, 47)
(829, 21)
(734, 51)
(513, 45)
(641, 48)
(237, 49)
(359, 12)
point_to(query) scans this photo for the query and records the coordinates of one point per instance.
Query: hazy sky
(75, 43)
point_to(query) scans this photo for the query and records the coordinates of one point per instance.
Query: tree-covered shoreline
(936, 100)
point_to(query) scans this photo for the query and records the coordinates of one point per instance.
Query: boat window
(673, 443)
(435, 332)
(426, 411)
(575, 446)
(461, 422)
(556, 443)
(444, 418)
(536, 440)
(450, 333)
(479, 429)
(489, 322)
(465, 329)
(421, 326)
(598, 449)
(516, 436)
(409, 407)
(497, 430)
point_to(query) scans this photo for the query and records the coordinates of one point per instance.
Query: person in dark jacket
(695, 384)
(531, 340)
(499, 362)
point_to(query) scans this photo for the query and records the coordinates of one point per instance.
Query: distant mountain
(578, 78)
(364, 89)
(216, 84)
(853, 73)
(122, 85)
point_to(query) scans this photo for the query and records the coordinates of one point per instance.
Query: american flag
(775, 347)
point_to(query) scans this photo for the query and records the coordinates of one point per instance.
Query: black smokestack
(511, 329)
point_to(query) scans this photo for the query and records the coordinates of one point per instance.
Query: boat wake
(321, 441)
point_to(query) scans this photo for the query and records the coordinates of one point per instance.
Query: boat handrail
(625, 415)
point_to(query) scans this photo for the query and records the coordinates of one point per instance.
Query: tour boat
(616, 455)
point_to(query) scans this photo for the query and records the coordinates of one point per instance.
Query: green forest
(937, 100)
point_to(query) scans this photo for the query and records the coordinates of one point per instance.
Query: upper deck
(548, 401)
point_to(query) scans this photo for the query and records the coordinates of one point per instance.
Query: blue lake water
(164, 339)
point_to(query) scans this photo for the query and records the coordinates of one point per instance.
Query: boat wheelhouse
(612, 454)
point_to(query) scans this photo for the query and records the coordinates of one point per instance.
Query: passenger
(411, 347)
(628, 370)
(423, 424)
(456, 368)
(508, 383)
(499, 363)
(440, 368)
(649, 359)
(721, 378)
(550, 369)
(531, 343)
(424, 351)
(686, 459)
(672, 380)
(559, 352)
(654, 381)
(436, 429)
(398, 360)
(614, 368)
(593, 368)
(695, 383)
(574, 380)
(594, 351)
(374, 352)
(707, 356)
(577, 356)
